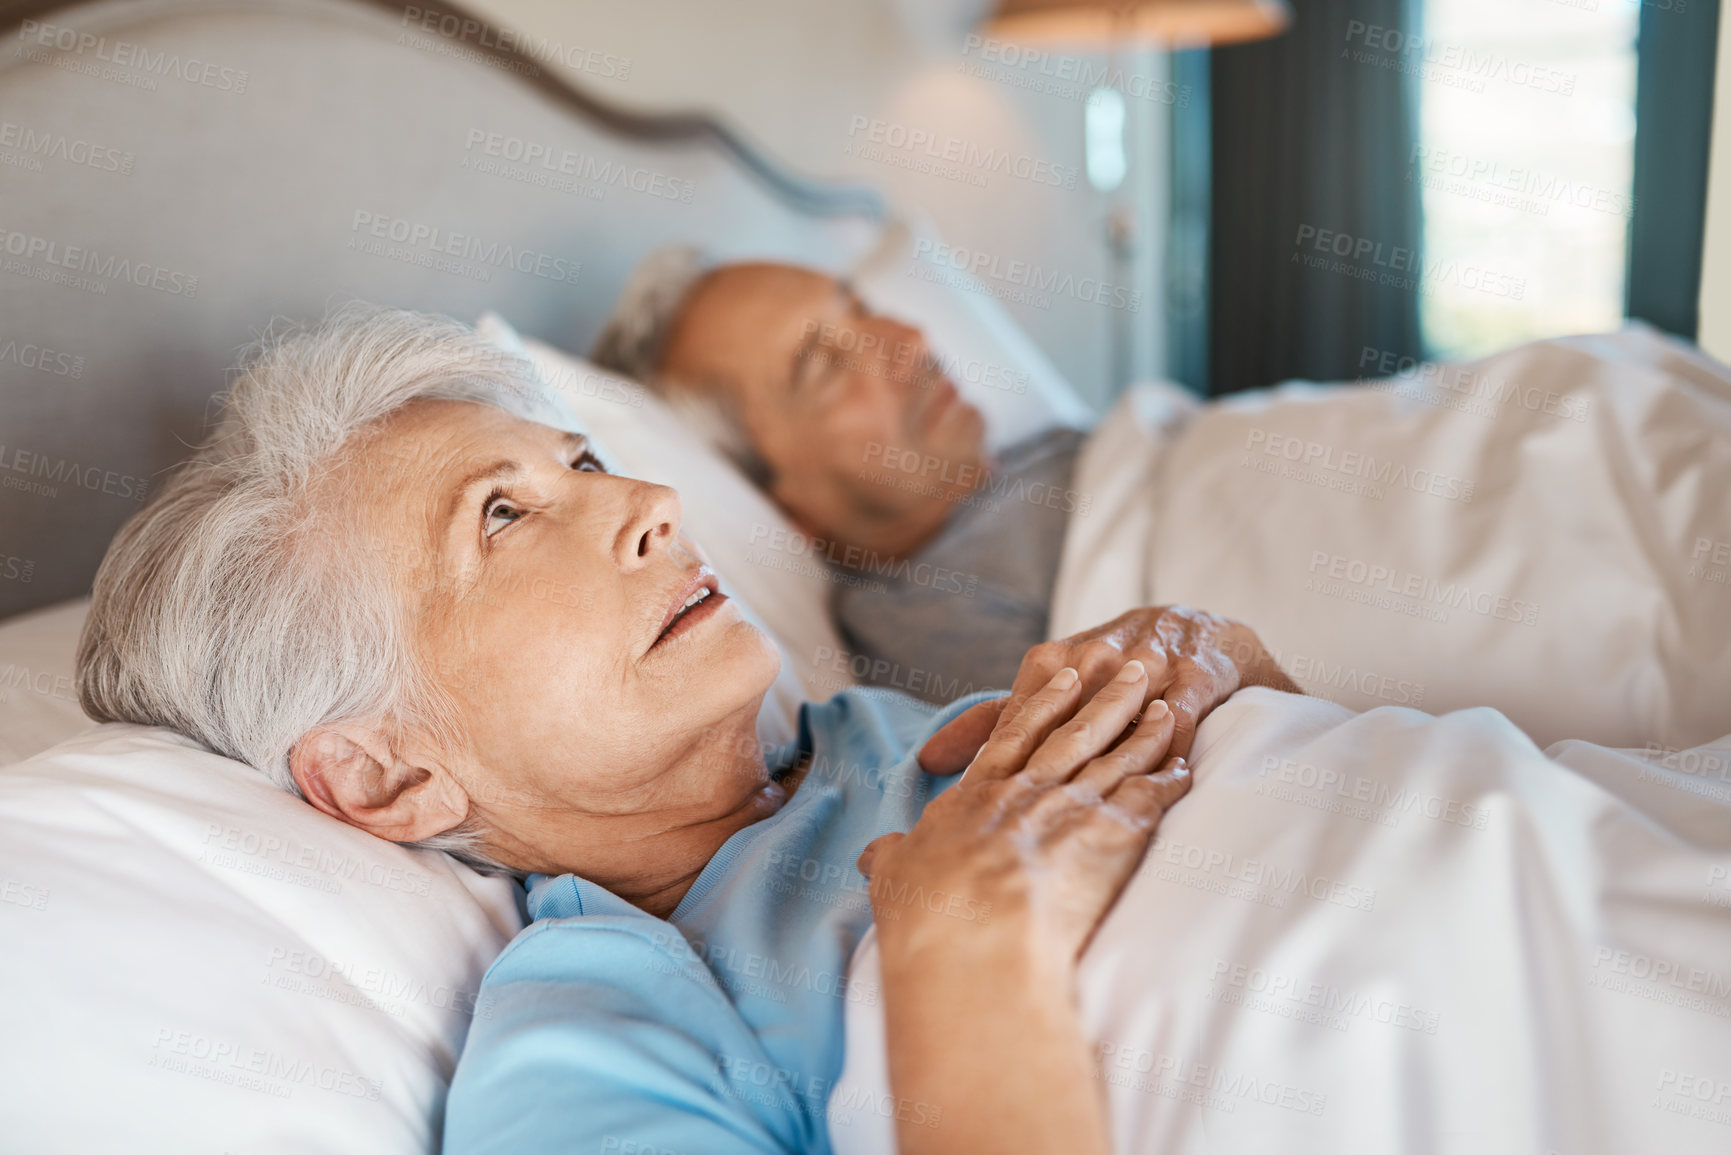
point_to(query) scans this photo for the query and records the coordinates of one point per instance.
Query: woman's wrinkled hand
(1039, 836)
(1195, 661)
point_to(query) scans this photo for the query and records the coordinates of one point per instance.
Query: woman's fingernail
(1133, 669)
(1065, 678)
(1155, 710)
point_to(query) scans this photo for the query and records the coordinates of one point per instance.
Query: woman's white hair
(234, 609)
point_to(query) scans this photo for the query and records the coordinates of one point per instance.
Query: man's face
(849, 408)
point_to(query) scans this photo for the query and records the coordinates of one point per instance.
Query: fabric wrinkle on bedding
(1391, 932)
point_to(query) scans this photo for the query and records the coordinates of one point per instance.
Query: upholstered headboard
(176, 173)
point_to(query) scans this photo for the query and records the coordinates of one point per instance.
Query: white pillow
(912, 277)
(38, 706)
(744, 535)
(196, 960)
(762, 559)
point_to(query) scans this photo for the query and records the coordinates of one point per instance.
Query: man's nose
(653, 515)
(909, 346)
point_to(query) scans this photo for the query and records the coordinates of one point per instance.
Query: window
(1526, 157)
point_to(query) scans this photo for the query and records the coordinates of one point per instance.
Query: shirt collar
(570, 896)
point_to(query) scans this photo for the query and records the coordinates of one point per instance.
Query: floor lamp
(1117, 25)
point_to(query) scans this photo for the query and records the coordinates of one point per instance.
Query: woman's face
(610, 727)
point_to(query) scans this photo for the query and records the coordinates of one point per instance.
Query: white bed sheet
(1389, 932)
(1546, 531)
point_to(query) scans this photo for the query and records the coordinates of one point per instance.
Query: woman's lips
(679, 619)
(693, 617)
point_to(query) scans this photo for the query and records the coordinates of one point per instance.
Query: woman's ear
(349, 771)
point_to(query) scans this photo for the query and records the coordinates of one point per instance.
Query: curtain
(1674, 112)
(1315, 230)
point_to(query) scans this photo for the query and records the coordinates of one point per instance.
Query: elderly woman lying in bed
(392, 582)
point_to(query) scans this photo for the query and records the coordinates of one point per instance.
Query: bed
(231, 970)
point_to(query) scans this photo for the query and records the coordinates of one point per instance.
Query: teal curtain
(1673, 137)
(1315, 229)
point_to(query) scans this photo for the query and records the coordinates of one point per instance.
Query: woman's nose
(652, 520)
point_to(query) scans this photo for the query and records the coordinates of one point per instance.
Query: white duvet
(1546, 531)
(1393, 933)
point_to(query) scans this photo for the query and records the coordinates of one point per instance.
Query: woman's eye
(495, 508)
(588, 463)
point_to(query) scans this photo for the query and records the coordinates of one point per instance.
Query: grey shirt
(960, 613)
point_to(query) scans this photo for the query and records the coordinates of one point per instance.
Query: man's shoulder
(1058, 441)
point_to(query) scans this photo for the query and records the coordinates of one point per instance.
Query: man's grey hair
(633, 343)
(237, 610)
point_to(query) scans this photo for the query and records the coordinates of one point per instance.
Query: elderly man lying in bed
(394, 583)
(1453, 538)
(340, 591)
(820, 401)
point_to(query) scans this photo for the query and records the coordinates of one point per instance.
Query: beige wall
(1715, 336)
(797, 77)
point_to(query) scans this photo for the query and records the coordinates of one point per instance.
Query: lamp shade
(1190, 23)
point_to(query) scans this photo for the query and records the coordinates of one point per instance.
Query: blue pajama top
(719, 1030)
